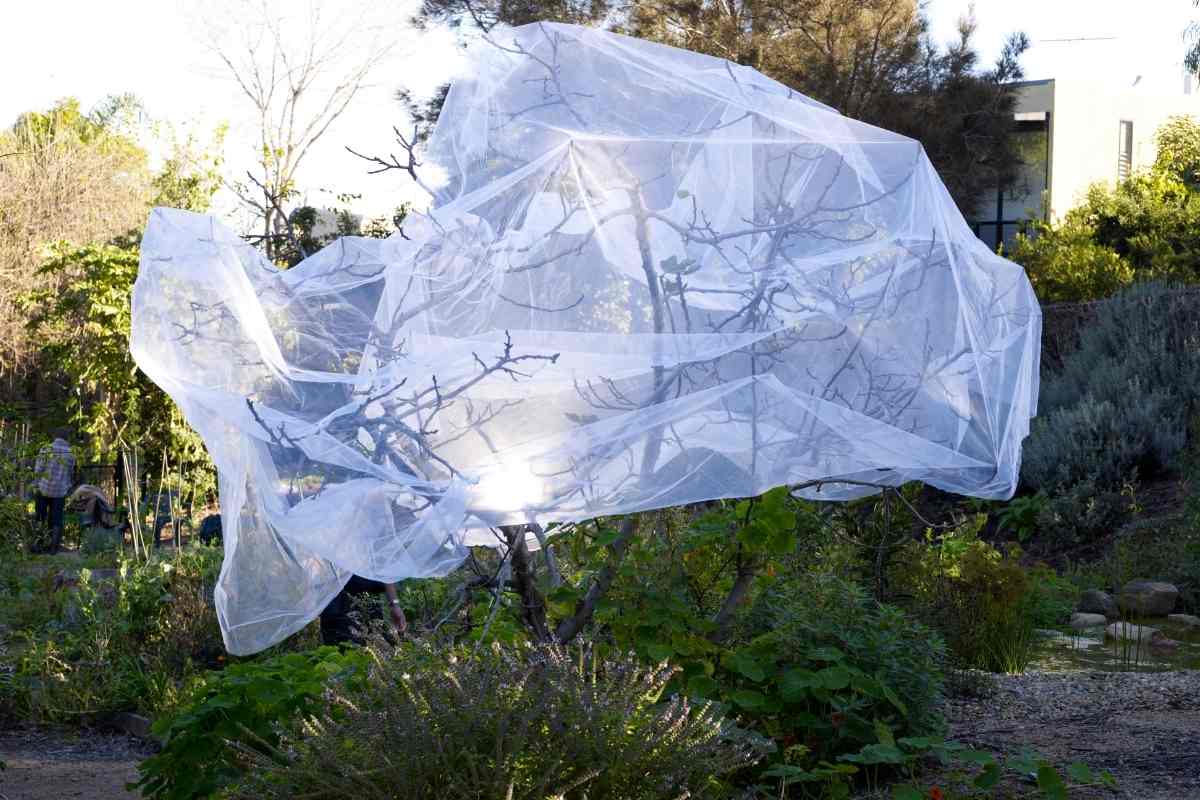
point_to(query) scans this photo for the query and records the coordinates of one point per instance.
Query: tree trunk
(570, 627)
(746, 571)
(533, 605)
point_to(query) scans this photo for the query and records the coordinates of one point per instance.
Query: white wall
(1086, 126)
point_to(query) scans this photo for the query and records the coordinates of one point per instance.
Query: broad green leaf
(977, 757)
(1080, 772)
(989, 777)
(607, 537)
(747, 666)
(659, 652)
(893, 698)
(749, 699)
(795, 683)
(835, 678)
(1051, 783)
(830, 654)
(906, 792)
(876, 754)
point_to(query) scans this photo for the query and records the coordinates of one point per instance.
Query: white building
(1072, 133)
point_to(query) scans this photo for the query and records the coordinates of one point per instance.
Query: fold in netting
(647, 277)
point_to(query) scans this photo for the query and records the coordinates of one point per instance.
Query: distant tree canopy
(75, 191)
(64, 175)
(873, 60)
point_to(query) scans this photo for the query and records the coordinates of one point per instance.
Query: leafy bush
(1149, 220)
(245, 702)
(16, 531)
(1122, 400)
(976, 595)
(1146, 227)
(1051, 598)
(1084, 512)
(1020, 516)
(1065, 264)
(504, 722)
(830, 666)
(729, 594)
(128, 645)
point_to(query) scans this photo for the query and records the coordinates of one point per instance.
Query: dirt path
(1144, 728)
(49, 764)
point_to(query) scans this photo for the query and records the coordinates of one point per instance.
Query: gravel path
(54, 764)
(1144, 728)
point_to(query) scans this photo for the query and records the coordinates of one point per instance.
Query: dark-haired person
(54, 475)
(338, 625)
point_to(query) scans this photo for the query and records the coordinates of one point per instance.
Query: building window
(1125, 150)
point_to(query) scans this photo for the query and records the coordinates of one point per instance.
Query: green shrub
(245, 702)
(499, 722)
(1083, 512)
(1050, 599)
(1122, 400)
(16, 530)
(1021, 515)
(1065, 264)
(127, 645)
(1146, 227)
(975, 594)
(806, 623)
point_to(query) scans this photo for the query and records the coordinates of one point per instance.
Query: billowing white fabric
(649, 278)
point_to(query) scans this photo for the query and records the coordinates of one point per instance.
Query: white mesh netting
(649, 278)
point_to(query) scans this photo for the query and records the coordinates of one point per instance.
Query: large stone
(1094, 601)
(1128, 632)
(69, 578)
(132, 724)
(1148, 598)
(1081, 621)
(1186, 620)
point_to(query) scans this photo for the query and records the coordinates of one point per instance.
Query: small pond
(1090, 650)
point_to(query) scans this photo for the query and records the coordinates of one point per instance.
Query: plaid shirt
(55, 469)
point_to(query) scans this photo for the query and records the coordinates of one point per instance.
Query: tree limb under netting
(648, 278)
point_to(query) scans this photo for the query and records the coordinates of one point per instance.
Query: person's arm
(397, 613)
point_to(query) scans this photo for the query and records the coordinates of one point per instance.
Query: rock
(1094, 601)
(1151, 598)
(1080, 621)
(1047, 633)
(132, 724)
(1127, 631)
(1163, 645)
(1184, 619)
(69, 578)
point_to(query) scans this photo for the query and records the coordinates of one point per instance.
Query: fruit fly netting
(648, 277)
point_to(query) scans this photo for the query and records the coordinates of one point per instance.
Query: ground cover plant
(83, 648)
(528, 722)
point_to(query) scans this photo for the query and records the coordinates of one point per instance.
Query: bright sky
(57, 48)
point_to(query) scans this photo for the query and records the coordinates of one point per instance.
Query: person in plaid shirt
(54, 474)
